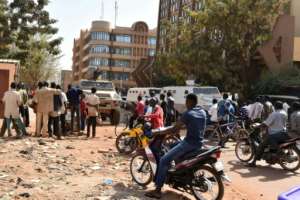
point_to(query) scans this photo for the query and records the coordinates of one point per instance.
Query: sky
(74, 15)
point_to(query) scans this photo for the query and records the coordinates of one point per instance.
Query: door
(4, 86)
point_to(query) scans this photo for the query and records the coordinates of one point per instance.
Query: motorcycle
(199, 173)
(288, 156)
(137, 137)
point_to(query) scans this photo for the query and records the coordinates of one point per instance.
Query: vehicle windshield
(206, 91)
(87, 85)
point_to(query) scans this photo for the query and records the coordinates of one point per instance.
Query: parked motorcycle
(137, 137)
(199, 173)
(288, 156)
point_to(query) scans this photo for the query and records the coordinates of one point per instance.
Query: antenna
(116, 12)
(102, 10)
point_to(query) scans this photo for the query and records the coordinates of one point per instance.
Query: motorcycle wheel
(244, 151)
(140, 170)
(291, 156)
(126, 144)
(207, 184)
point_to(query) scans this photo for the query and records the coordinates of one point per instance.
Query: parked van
(133, 93)
(205, 95)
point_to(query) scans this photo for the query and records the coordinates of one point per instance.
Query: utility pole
(116, 12)
(102, 10)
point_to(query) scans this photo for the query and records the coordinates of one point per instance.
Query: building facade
(66, 78)
(112, 54)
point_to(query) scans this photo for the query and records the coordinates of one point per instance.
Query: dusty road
(76, 168)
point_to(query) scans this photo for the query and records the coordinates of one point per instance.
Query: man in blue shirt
(195, 120)
(73, 96)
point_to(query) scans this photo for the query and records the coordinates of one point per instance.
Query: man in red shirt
(157, 116)
(138, 112)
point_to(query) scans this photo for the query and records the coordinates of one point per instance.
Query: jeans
(75, 109)
(17, 123)
(82, 122)
(178, 151)
(92, 121)
(25, 115)
(273, 140)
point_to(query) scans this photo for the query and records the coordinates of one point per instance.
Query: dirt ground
(74, 168)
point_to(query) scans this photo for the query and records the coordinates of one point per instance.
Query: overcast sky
(73, 15)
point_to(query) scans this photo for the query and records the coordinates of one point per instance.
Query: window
(151, 52)
(121, 63)
(100, 36)
(122, 51)
(151, 41)
(120, 76)
(99, 49)
(123, 38)
(99, 62)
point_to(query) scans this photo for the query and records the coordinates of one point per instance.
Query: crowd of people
(50, 104)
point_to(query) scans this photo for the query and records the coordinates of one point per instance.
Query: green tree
(217, 43)
(5, 36)
(40, 64)
(27, 19)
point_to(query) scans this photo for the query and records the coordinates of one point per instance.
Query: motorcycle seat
(198, 152)
(290, 140)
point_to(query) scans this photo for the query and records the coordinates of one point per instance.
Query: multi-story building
(112, 53)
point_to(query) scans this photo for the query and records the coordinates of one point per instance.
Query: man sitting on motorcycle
(277, 131)
(194, 119)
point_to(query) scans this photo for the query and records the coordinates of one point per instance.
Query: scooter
(199, 173)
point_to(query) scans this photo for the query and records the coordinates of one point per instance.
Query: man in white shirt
(277, 131)
(12, 100)
(213, 111)
(256, 110)
(92, 105)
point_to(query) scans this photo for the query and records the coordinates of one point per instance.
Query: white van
(133, 93)
(205, 95)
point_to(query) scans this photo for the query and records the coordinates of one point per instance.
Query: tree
(40, 64)
(5, 36)
(218, 42)
(28, 19)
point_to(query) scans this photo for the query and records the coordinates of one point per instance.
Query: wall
(295, 11)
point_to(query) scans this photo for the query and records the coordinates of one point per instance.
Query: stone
(70, 147)
(25, 194)
(42, 142)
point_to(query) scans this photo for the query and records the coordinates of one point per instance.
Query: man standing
(213, 111)
(44, 98)
(194, 119)
(256, 110)
(73, 95)
(92, 104)
(24, 107)
(295, 119)
(138, 111)
(63, 111)
(163, 105)
(170, 114)
(12, 100)
(157, 115)
(53, 126)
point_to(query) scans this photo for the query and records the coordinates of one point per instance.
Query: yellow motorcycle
(139, 137)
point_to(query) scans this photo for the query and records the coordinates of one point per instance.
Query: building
(107, 53)
(66, 79)
(171, 10)
(8, 74)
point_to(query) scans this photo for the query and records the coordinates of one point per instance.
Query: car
(109, 99)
